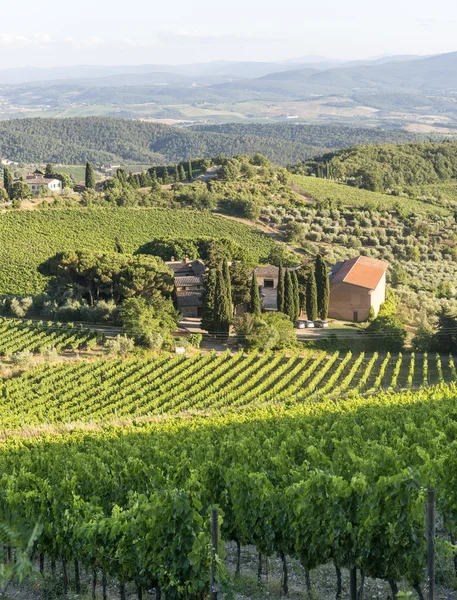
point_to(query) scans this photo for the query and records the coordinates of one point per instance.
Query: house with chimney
(357, 286)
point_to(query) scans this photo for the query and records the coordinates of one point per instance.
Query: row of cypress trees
(217, 300)
(315, 293)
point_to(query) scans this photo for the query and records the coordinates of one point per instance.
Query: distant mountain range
(391, 90)
(200, 71)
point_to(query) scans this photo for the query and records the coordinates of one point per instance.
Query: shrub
(195, 339)
(22, 359)
(121, 345)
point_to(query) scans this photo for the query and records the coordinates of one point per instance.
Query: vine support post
(430, 534)
(213, 588)
(353, 583)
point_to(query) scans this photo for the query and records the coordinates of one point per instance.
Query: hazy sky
(56, 33)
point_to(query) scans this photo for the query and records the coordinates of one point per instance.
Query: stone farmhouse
(189, 286)
(356, 286)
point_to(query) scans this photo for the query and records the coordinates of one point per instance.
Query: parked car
(319, 323)
(300, 324)
(309, 324)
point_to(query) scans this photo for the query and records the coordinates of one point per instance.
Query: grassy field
(28, 238)
(77, 172)
(338, 193)
(108, 389)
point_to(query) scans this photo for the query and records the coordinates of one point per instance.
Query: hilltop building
(356, 286)
(37, 183)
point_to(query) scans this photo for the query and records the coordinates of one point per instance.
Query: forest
(105, 140)
(387, 167)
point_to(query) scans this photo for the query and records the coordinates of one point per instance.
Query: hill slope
(103, 139)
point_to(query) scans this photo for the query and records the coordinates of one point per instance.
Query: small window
(268, 283)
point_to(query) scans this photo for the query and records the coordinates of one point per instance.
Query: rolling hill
(103, 140)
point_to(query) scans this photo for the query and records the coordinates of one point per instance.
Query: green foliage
(269, 331)
(7, 180)
(148, 321)
(296, 295)
(209, 301)
(222, 309)
(27, 337)
(228, 284)
(20, 190)
(102, 230)
(382, 167)
(280, 290)
(21, 543)
(90, 177)
(113, 276)
(312, 309)
(121, 345)
(254, 303)
(195, 339)
(322, 287)
(389, 333)
(240, 283)
(330, 193)
(289, 296)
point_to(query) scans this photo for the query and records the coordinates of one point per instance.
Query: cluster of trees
(104, 140)
(140, 286)
(218, 301)
(305, 288)
(387, 167)
(442, 338)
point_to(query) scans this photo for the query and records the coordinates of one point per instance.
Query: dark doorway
(268, 283)
(356, 316)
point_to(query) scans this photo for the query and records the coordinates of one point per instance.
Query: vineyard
(28, 238)
(110, 389)
(324, 190)
(18, 336)
(338, 484)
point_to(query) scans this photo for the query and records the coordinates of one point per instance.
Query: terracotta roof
(361, 271)
(188, 281)
(194, 298)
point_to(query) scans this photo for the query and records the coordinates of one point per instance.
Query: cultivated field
(110, 389)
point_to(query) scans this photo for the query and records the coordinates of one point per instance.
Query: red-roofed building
(356, 286)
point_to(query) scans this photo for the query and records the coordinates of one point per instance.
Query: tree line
(386, 167)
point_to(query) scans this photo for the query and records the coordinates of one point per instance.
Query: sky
(54, 33)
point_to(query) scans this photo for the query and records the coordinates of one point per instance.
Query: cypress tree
(209, 300)
(311, 296)
(222, 315)
(182, 173)
(296, 295)
(289, 303)
(90, 177)
(280, 289)
(228, 285)
(189, 172)
(154, 175)
(322, 286)
(254, 304)
(176, 175)
(8, 180)
(166, 176)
